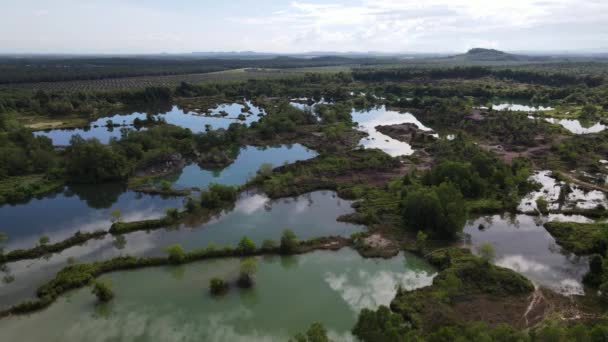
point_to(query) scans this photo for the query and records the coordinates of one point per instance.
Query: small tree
(172, 213)
(190, 204)
(265, 170)
(248, 269)
(217, 286)
(542, 205)
(165, 185)
(421, 238)
(43, 240)
(176, 254)
(115, 215)
(289, 242)
(486, 252)
(103, 291)
(246, 246)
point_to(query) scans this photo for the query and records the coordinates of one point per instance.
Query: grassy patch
(580, 238)
(20, 188)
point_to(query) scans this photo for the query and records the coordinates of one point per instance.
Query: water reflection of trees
(97, 197)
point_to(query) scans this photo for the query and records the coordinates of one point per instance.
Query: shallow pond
(254, 215)
(196, 122)
(307, 104)
(173, 304)
(245, 166)
(523, 245)
(60, 214)
(518, 107)
(576, 127)
(369, 119)
(577, 198)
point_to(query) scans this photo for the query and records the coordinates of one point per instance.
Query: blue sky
(153, 26)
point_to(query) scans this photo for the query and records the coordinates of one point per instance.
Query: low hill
(490, 55)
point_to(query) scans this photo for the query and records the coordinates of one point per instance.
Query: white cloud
(396, 24)
(364, 25)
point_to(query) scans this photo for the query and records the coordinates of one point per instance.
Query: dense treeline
(86, 103)
(524, 76)
(82, 103)
(19, 70)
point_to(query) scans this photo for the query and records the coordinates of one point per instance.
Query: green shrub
(542, 205)
(103, 291)
(289, 242)
(246, 246)
(248, 269)
(176, 254)
(172, 213)
(217, 286)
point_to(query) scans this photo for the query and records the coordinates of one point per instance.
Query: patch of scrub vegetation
(581, 152)
(325, 172)
(470, 299)
(586, 239)
(19, 189)
(580, 238)
(463, 279)
(436, 201)
(384, 325)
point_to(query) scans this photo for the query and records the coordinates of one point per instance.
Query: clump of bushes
(103, 291)
(217, 286)
(246, 273)
(217, 196)
(177, 255)
(289, 242)
(246, 246)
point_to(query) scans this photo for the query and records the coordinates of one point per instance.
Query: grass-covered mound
(580, 238)
(467, 288)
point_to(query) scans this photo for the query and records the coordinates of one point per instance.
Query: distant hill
(480, 54)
